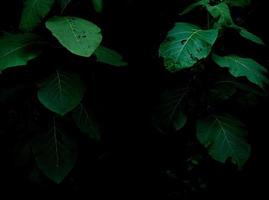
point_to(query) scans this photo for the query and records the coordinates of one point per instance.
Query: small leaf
(250, 36)
(98, 5)
(247, 67)
(185, 45)
(17, 49)
(33, 13)
(79, 36)
(86, 123)
(109, 56)
(221, 13)
(224, 137)
(194, 5)
(180, 120)
(238, 3)
(55, 153)
(61, 92)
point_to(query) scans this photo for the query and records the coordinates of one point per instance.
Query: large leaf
(169, 113)
(61, 92)
(238, 3)
(247, 67)
(185, 45)
(33, 13)
(221, 14)
(224, 136)
(86, 123)
(79, 36)
(109, 56)
(63, 4)
(98, 5)
(17, 49)
(55, 153)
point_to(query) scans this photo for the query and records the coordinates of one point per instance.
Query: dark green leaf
(109, 56)
(17, 49)
(61, 92)
(86, 123)
(247, 67)
(224, 137)
(195, 5)
(185, 45)
(55, 153)
(169, 113)
(238, 3)
(79, 36)
(33, 13)
(63, 4)
(98, 5)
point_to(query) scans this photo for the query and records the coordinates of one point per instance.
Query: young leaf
(63, 4)
(169, 113)
(98, 5)
(221, 14)
(185, 45)
(79, 36)
(109, 56)
(194, 5)
(33, 13)
(238, 3)
(224, 137)
(86, 123)
(61, 92)
(247, 67)
(17, 49)
(55, 153)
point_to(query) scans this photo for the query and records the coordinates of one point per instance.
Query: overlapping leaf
(185, 45)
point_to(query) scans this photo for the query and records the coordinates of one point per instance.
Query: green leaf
(63, 4)
(109, 56)
(79, 36)
(34, 12)
(250, 36)
(55, 153)
(224, 137)
(221, 13)
(247, 67)
(238, 3)
(194, 6)
(17, 49)
(169, 113)
(61, 92)
(86, 123)
(185, 45)
(98, 5)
